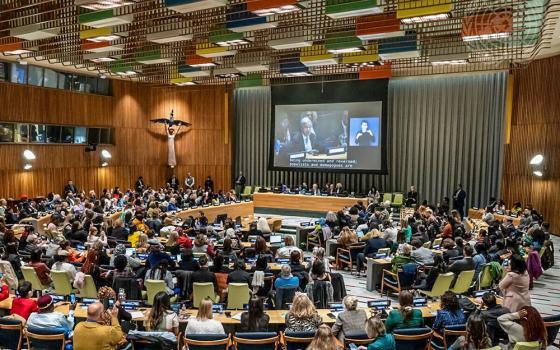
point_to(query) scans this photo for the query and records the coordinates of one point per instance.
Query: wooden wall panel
(140, 146)
(535, 129)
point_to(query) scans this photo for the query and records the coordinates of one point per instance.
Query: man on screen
(305, 141)
(365, 136)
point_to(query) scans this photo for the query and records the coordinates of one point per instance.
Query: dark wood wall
(535, 128)
(140, 146)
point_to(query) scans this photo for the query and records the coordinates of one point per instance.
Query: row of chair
(61, 283)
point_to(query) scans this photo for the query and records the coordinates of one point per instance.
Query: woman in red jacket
(23, 305)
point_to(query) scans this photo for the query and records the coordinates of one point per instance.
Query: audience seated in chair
(382, 340)
(93, 334)
(351, 320)
(204, 323)
(161, 318)
(255, 319)
(24, 305)
(450, 312)
(46, 317)
(302, 317)
(477, 336)
(405, 316)
(525, 325)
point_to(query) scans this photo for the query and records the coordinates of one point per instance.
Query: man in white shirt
(48, 318)
(61, 264)
(189, 181)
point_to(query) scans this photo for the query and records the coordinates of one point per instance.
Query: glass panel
(79, 83)
(103, 86)
(6, 132)
(37, 133)
(51, 78)
(19, 74)
(104, 136)
(80, 135)
(3, 71)
(91, 85)
(67, 134)
(93, 135)
(53, 134)
(64, 81)
(35, 76)
(22, 133)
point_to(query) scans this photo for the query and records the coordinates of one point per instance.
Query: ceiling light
(27, 166)
(537, 159)
(426, 18)
(102, 76)
(225, 73)
(29, 155)
(251, 67)
(102, 4)
(266, 8)
(538, 173)
(98, 47)
(34, 32)
(449, 62)
(363, 64)
(104, 164)
(182, 81)
(346, 50)
(248, 26)
(105, 154)
(102, 59)
(127, 73)
(492, 36)
(22, 61)
(290, 43)
(169, 36)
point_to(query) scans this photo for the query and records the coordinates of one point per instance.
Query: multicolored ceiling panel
(292, 68)
(211, 51)
(250, 80)
(225, 37)
(375, 27)
(378, 72)
(199, 61)
(239, 19)
(351, 8)
(152, 57)
(343, 42)
(272, 7)
(417, 11)
(100, 46)
(185, 6)
(192, 72)
(104, 18)
(398, 48)
(367, 58)
(316, 56)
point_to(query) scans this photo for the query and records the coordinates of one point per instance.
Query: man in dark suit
(459, 200)
(239, 275)
(491, 314)
(139, 185)
(204, 275)
(209, 184)
(239, 183)
(411, 197)
(464, 264)
(305, 141)
(173, 182)
(70, 188)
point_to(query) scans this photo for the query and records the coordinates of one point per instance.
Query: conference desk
(233, 210)
(39, 224)
(478, 213)
(303, 202)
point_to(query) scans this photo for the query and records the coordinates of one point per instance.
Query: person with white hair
(286, 279)
(351, 320)
(262, 225)
(305, 140)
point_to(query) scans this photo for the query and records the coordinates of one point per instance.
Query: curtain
(442, 131)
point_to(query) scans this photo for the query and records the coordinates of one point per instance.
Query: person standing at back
(459, 197)
(92, 334)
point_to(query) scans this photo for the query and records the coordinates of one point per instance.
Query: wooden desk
(38, 224)
(232, 210)
(303, 202)
(477, 214)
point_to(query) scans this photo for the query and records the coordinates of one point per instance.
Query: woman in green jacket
(405, 316)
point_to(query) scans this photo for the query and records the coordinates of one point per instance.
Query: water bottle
(122, 294)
